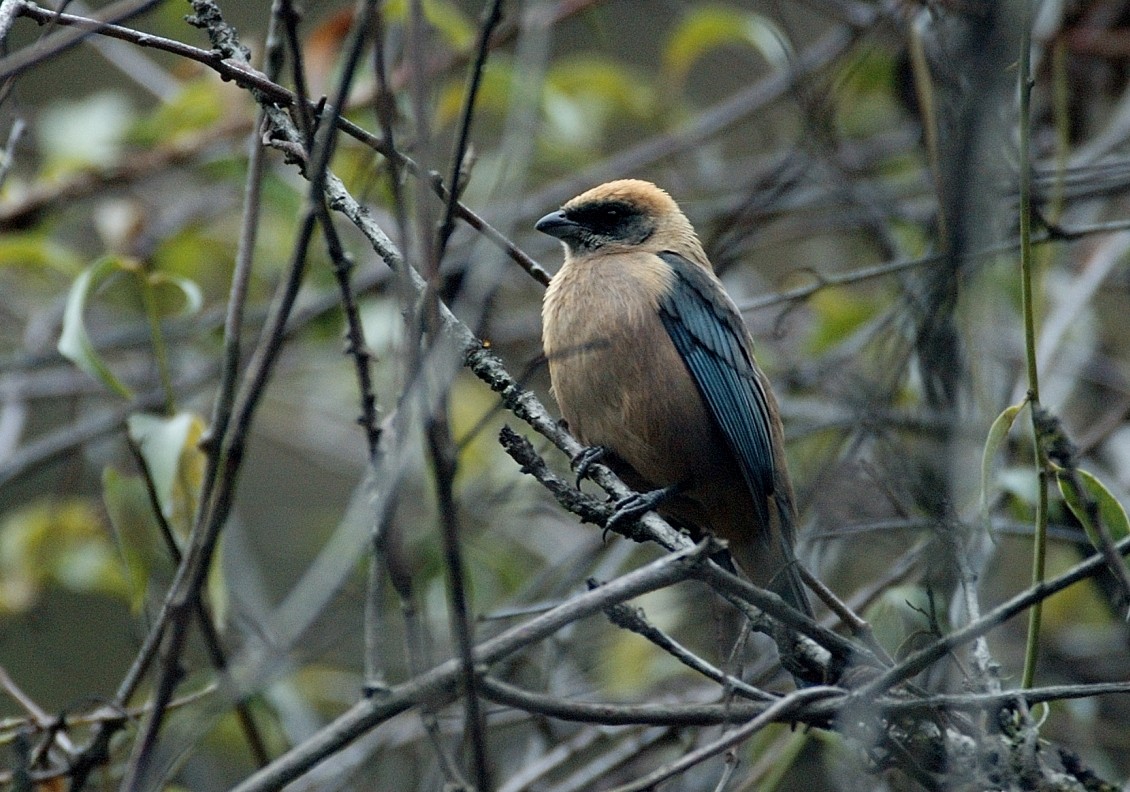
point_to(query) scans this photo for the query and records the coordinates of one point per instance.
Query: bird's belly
(625, 387)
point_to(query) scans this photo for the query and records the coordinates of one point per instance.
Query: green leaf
(216, 587)
(838, 314)
(197, 106)
(131, 516)
(59, 542)
(998, 432)
(38, 251)
(84, 132)
(193, 296)
(74, 343)
(706, 28)
(584, 96)
(1111, 511)
(451, 23)
(163, 443)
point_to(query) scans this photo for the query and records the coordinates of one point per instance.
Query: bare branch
(439, 685)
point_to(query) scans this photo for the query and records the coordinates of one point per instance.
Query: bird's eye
(602, 218)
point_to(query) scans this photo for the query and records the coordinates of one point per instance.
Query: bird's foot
(637, 504)
(586, 459)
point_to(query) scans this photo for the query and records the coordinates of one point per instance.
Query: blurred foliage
(865, 104)
(838, 316)
(585, 99)
(452, 25)
(39, 255)
(56, 543)
(124, 269)
(136, 530)
(197, 107)
(709, 27)
(104, 119)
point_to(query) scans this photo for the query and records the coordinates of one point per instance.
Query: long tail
(773, 565)
(786, 581)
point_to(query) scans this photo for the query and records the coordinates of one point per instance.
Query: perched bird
(654, 370)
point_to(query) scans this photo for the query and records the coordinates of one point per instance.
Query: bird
(654, 372)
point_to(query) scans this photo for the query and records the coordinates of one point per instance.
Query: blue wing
(710, 338)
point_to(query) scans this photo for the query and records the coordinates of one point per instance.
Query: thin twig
(858, 625)
(1039, 546)
(1019, 603)
(633, 618)
(237, 70)
(9, 10)
(172, 623)
(492, 16)
(100, 717)
(773, 712)
(289, 16)
(7, 156)
(653, 713)
(437, 424)
(356, 346)
(381, 559)
(21, 61)
(440, 685)
(208, 631)
(36, 714)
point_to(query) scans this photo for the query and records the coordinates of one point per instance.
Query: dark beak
(556, 224)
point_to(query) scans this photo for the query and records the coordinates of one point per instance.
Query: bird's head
(621, 216)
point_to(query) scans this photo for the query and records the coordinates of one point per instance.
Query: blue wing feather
(710, 338)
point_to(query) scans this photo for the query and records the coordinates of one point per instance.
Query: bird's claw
(586, 459)
(637, 504)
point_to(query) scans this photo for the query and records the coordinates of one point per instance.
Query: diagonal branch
(439, 686)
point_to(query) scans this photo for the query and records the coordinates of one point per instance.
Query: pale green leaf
(998, 432)
(131, 516)
(162, 442)
(216, 587)
(196, 107)
(38, 251)
(193, 296)
(84, 132)
(1110, 511)
(706, 28)
(74, 343)
(451, 23)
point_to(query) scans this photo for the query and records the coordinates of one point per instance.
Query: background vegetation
(238, 551)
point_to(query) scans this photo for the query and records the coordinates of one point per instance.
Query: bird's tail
(784, 578)
(772, 564)
(763, 550)
(788, 585)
